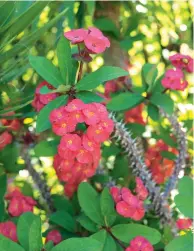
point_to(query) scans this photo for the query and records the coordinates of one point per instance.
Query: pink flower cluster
(79, 153)
(40, 100)
(54, 236)
(127, 204)
(174, 78)
(8, 229)
(139, 243)
(93, 39)
(184, 223)
(19, 203)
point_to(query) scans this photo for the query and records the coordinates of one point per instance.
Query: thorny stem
(41, 184)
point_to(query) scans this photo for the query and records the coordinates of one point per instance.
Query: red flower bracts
(8, 229)
(184, 223)
(174, 78)
(139, 243)
(40, 100)
(5, 139)
(54, 236)
(93, 39)
(127, 204)
(160, 167)
(79, 153)
(134, 115)
(183, 62)
(19, 203)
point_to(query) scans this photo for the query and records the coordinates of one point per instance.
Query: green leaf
(3, 185)
(168, 155)
(45, 90)
(136, 129)
(81, 244)
(7, 245)
(28, 41)
(29, 232)
(163, 101)
(181, 243)
(46, 148)
(106, 24)
(64, 59)
(9, 157)
(153, 112)
(111, 150)
(48, 246)
(184, 200)
(121, 167)
(46, 70)
(86, 193)
(126, 232)
(43, 122)
(24, 20)
(124, 101)
(126, 44)
(149, 74)
(107, 207)
(61, 203)
(108, 242)
(100, 76)
(87, 223)
(64, 220)
(89, 97)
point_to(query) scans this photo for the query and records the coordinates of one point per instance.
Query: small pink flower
(5, 139)
(95, 31)
(13, 125)
(54, 236)
(71, 141)
(77, 116)
(141, 190)
(183, 223)
(8, 229)
(75, 105)
(84, 156)
(91, 116)
(174, 80)
(88, 144)
(130, 206)
(139, 243)
(20, 204)
(115, 192)
(97, 133)
(58, 114)
(102, 111)
(108, 125)
(181, 61)
(64, 125)
(65, 153)
(95, 44)
(76, 36)
(40, 100)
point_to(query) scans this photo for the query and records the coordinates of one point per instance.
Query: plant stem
(117, 240)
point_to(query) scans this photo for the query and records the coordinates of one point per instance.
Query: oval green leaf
(126, 232)
(46, 70)
(124, 101)
(105, 73)
(29, 232)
